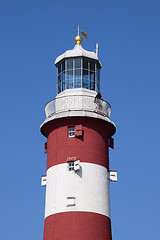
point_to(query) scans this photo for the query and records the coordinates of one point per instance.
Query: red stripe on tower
(85, 226)
(78, 130)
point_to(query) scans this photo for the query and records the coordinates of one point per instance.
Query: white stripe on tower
(88, 188)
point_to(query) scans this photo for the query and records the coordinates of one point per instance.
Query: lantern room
(78, 68)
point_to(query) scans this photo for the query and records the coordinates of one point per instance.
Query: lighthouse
(79, 134)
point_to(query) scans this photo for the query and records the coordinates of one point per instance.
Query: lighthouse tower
(79, 133)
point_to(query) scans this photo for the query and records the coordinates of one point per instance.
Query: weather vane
(78, 38)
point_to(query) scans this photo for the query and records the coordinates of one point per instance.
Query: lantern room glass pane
(77, 73)
(63, 76)
(92, 76)
(85, 74)
(77, 83)
(92, 85)
(85, 63)
(92, 66)
(77, 63)
(85, 83)
(59, 88)
(59, 69)
(63, 86)
(69, 74)
(63, 66)
(69, 63)
(69, 84)
(59, 78)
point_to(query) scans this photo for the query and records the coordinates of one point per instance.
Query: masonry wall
(89, 218)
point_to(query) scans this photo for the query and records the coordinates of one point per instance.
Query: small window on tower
(71, 201)
(71, 166)
(71, 132)
(74, 166)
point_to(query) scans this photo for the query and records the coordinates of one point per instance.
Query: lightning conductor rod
(97, 49)
(78, 30)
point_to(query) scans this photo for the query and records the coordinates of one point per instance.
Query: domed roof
(77, 51)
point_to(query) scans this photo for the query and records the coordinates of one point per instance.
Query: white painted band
(89, 186)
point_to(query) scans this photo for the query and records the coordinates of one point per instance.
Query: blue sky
(32, 35)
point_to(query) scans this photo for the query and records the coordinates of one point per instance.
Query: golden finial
(78, 38)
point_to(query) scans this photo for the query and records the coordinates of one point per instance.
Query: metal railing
(77, 103)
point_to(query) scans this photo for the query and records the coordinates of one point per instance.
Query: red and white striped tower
(78, 130)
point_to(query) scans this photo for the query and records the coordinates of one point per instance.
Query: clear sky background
(32, 34)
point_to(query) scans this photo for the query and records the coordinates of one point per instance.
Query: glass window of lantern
(85, 78)
(92, 66)
(85, 83)
(69, 84)
(77, 62)
(77, 83)
(69, 63)
(63, 85)
(63, 66)
(63, 76)
(92, 76)
(59, 69)
(59, 79)
(78, 73)
(59, 88)
(85, 74)
(69, 74)
(85, 63)
(91, 85)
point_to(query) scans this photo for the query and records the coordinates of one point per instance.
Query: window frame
(71, 166)
(71, 201)
(68, 133)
